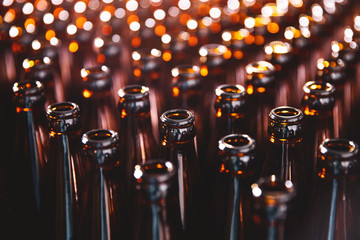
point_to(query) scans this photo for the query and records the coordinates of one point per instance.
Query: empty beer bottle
(231, 215)
(317, 105)
(137, 141)
(98, 104)
(177, 133)
(104, 209)
(63, 171)
(334, 210)
(30, 153)
(158, 209)
(272, 201)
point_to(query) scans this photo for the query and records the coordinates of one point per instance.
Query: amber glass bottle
(98, 104)
(334, 211)
(158, 209)
(104, 209)
(317, 105)
(137, 141)
(63, 171)
(230, 118)
(30, 153)
(231, 214)
(177, 133)
(272, 201)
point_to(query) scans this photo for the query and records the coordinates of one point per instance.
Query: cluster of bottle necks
(187, 120)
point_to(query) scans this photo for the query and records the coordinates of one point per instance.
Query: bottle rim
(28, 88)
(134, 92)
(185, 71)
(100, 138)
(177, 117)
(278, 47)
(95, 72)
(286, 114)
(332, 65)
(230, 91)
(62, 110)
(338, 149)
(154, 171)
(241, 143)
(260, 67)
(319, 89)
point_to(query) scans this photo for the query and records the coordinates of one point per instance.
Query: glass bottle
(104, 210)
(230, 110)
(98, 104)
(158, 211)
(177, 133)
(231, 212)
(317, 105)
(30, 153)
(334, 210)
(63, 170)
(272, 201)
(137, 140)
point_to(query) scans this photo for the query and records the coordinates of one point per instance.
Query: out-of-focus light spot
(98, 42)
(138, 173)
(42, 5)
(184, 4)
(288, 184)
(132, 5)
(54, 41)
(203, 52)
(48, 18)
(215, 12)
(159, 14)
(166, 56)
(116, 38)
(233, 4)
(305, 32)
(330, 6)
(136, 56)
(273, 27)
(27, 63)
(28, 8)
(7, 3)
(136, 41)
(56, 2)
(282, 6)
(193, 41)
(249, 22)
(134, 26)
(192, 24)
(88, 26)
(14, 31)
(9, 16)
(80, 7)
(86, 93)
(348, 34)
(304, 21)
(73, 47)
(353, 45)
(107, 1)
(249, 3)
(296, 3)
(268, 50)
(160, 30)
(36, 45)
(288, 34)
(357, 23)
(256, 191)
(46, 60)
(49, 34)
(166, 39)
(173, 11)
(207, 21)
(317, 12)
(155, 52)
(63, 15)
(204, 71)
(335, 46)
(120, 13)
(267, 11)
(71, 29)
(105, 16)
(320, 64)
(226, 36)
(150, 22)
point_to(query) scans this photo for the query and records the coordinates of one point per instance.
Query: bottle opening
(185, 71)
(177, 117)
(230, 91)
(100, 138)
(62, 110)
(100, 135)
(318, 88)
(286, 114)
(133, 92)
(260, 67)
(238, 142)
(28, 87)
(94, 73)
(62, 107)
(154, 170)
(339, 149)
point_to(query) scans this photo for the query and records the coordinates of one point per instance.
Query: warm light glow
(48, 18)
(226, 36)
(348, 34)
(173, 11)
(9, 16)
(134, 26)
(56, 2)
(49, 34)
(63, 15)
(87, 93)
(317, 12)
(14, 31)
(87, 26)
(192, 24)
(98, 42)
(166, 39)
(7, 3)
(36, 45)
(80, 7)
(42, 5)
(136, 56)
(132, 5)
(296, 3)
(71, 29)
(159, 14)
(28, 8)
(256, 191)
(54, 41)
(120, 13)
(215, 12)
(184, 4)
(116, 38)
(166, 56)
(105, 16)
(204, 71)
(249, 22)
(150, 22)
(73, 47)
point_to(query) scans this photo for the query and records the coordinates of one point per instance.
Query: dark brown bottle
(30, 153)
(64, 171)
(317, 105)
(177, 133)
(334, 210)
(136, 141)
(158, 209)
(104, 209)
(98, 104)
(231, 212)
(272, 201)
(230, 108)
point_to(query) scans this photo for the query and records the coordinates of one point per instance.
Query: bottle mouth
(100, 138)
(338, 149)
(28, 88)
(286, 114)
(95, 73)
(229, 91)
(154, 171)
(331, 65)
(146, 54)
(241, 143)
(63, 110)
(177, 117)
(185, 71)
(278, 47)
(212, 50)
(319, 89)
(260, 67)
(134, 92)
(273, 190)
